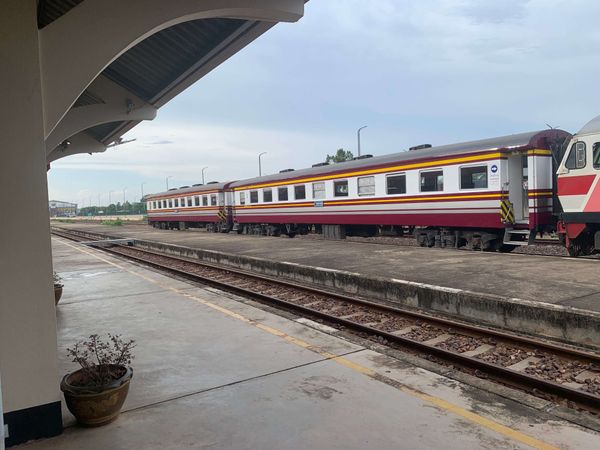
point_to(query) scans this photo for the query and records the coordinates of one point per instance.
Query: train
(491, 195)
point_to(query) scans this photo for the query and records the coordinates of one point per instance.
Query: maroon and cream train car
(490, 194)
(195, 206)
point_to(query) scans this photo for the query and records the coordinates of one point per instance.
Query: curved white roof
(593, 126)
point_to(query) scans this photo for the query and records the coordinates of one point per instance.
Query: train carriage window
(366, 186)
(318, 190)
(300, 192)
(205, 200)
(164, 203)
(395, 184)
(576, 158)
(253, 196)
(213, 200)
(596, 149)
(170, 203)
(242, 198)
(473, 177)
(190, 201)
(282, 194)
(432, 181)
(196, 200)
(340, 188)
(176, 202)
(267, 195)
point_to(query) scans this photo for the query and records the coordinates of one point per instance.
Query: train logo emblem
(494, 168)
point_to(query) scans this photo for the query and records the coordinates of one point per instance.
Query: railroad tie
(524, 364)
(439, 339)
(479, 350)
(404, 330)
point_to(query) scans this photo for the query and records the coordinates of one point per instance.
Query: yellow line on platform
(436, 401)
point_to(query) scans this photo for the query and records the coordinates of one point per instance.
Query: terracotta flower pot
(92, 407)
(58, 290)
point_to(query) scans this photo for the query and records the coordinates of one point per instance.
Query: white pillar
(28, 352)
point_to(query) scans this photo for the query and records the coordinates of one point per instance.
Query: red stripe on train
(474, 220)
(575, 185)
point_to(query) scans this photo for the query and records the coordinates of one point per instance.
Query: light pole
(203, 169)
(124, 190)
(358, 138)
(142, 189)
(259, 163)
(167, 181)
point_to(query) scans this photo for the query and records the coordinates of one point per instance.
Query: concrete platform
(214, 371)
(553, 297)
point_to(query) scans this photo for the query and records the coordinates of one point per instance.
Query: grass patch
(64, 220)
(113, 223)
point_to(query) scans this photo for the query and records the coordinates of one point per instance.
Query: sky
(413, 71)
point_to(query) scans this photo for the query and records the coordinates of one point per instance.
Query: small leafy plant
(101, 361)
(57, 279)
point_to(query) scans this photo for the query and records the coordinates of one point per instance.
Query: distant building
(62, 209)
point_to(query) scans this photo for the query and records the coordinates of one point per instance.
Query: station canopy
(147, 75)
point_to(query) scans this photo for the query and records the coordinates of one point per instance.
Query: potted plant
(58, 288)
(95, 393)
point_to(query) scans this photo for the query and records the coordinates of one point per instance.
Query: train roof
(533, 139)
(189, 190)
(593, 126)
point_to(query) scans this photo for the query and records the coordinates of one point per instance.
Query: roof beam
(80, 143)
(76, 47)
(119, 105)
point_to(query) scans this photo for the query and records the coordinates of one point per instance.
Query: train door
(518, 187)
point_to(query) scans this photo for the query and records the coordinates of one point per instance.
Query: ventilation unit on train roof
(183, 187)
(362, 157)
(286, 170)
(320, 164)
(419, 147)
(197, 184)
(213, 182)
(173, 189)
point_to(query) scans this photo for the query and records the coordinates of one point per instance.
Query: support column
(28, 351)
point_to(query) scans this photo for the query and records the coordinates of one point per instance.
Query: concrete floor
(212, 371)
(562, 281)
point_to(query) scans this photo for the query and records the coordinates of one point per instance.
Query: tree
(340, 156)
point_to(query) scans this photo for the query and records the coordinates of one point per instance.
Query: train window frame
(303, 187)
(267, 195)
(321, 190)
(484, 170)
(358, 186)
(338, 188)
(242, 198)
(176, 203)
(395, 175)
(196, 200)
(596, 155)
(280, 197)
(190, 202)
(164, 204)
(253, 196)
(423, 173)
(170, 203)
(213, 199)
(205, 200)
(574, 160)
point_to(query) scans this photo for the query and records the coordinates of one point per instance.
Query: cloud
(161, 142)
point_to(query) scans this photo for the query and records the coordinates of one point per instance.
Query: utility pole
(124, 190)
(142, 189)
(358, 138)
(203, 169)
(167, 181)
(259, 163)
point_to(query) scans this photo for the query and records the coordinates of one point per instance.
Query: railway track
(563, 374)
